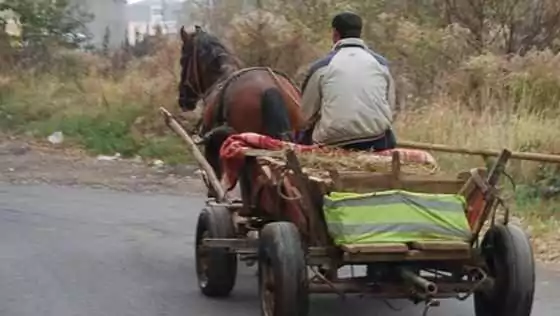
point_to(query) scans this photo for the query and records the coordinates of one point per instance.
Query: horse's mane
(213, 50)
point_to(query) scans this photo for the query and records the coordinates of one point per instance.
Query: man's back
(348, 96)
(354, 87)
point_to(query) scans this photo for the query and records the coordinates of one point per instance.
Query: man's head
(346, 25)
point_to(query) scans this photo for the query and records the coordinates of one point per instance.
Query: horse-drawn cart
(422, 237)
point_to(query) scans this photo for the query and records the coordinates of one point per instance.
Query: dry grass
(454, 125)
(342, 160)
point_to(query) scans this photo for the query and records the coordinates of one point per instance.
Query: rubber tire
(280, 249)
(510, 249)
(221, 271)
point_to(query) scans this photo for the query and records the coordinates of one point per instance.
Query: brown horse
(234, 99)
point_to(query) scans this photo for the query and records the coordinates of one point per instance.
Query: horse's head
(203, 61)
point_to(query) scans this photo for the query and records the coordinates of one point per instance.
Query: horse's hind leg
(275, 118)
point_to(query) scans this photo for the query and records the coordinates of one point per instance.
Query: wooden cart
(279, 225)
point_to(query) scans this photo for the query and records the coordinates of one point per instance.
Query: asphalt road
(84, 252)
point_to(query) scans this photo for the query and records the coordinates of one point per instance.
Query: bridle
(192, 69)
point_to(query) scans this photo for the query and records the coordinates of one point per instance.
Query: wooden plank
(482, 152)
(380, 176)
(492, 179)
(396, 171)
(319, 255)
(362, 182)
(470, 185)
(317, 232)
(439, 246)
(365, 181)
(411, 255)
(210, 174)
(375, 248)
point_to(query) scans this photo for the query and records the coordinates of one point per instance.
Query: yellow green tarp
(395, 216)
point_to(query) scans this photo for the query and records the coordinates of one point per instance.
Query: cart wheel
(509, 257)
(283, 286)
(216, 268)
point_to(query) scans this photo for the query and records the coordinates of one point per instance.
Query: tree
(45, 22)
(515, 26)
(106, 41)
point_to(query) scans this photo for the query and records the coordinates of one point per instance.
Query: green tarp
(395, 216)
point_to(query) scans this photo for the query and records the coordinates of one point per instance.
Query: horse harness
(221, 113)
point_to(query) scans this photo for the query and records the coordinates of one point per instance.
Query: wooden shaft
(306, 203)
(481, 152)
(212, 178)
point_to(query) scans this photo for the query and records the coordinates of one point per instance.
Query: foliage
(511, 26)
(45, 24)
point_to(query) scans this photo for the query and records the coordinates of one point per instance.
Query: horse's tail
(275, 117)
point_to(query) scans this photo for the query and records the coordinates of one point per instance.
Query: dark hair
(348, 24)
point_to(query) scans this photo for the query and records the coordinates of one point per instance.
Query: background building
(144, 17)
(11, 26)
(110, 16)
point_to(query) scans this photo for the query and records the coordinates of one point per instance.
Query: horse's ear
(184, 35)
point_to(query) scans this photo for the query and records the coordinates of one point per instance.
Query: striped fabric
(395, 216)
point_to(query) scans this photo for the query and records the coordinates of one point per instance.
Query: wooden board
(376, 248)
(439, 246)
(372, 253)
(411, 255)
(361, 182)
(364, 181)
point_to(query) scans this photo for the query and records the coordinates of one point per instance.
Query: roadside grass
(101, 114)
(541, 220)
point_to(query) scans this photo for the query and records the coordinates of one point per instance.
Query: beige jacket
(352, 91)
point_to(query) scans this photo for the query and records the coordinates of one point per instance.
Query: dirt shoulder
(26, 162)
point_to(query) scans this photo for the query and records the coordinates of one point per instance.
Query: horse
(234, 99)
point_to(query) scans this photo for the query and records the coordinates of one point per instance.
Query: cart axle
(429, 288)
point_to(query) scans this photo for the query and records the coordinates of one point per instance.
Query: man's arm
(311, 88)
(391, 91)
(311, 94)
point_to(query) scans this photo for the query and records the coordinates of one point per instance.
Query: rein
(193, 65)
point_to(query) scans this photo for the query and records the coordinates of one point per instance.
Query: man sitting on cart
(349, 95)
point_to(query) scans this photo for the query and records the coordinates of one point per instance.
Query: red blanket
(232, 153)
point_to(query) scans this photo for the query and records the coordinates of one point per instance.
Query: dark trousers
(387, 141)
